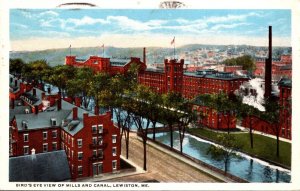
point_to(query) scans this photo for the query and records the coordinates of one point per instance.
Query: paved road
(161, 166)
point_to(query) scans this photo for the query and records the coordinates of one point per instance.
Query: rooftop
(43, 167)
(213, 74)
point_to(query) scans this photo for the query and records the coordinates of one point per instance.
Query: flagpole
(103, 50)
(174, 47)
(70, 50)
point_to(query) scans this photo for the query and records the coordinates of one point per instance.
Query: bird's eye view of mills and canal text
(201, 96)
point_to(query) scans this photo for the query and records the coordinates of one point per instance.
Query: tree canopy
(245, 61)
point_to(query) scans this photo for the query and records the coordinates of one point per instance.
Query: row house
(91, 142)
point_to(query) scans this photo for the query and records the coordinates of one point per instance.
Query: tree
(186, 115)
(170, 115)
(35, 71)
(61, 74)
(78, 86)
(225, 150)
(272, 115)
(120, 103)
(16, 66)
(245, 61)
(251, 113)
(141, 107)
(98, 88)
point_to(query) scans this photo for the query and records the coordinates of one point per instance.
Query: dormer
(24, 124)
(53, 122)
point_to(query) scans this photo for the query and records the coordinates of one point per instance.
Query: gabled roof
(18, 110)
(41, 120)
(43, 167)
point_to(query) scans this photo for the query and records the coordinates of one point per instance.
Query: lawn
(263, 147)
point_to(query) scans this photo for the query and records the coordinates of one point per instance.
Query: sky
(40, 29)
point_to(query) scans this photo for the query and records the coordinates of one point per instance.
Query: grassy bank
(263, 147)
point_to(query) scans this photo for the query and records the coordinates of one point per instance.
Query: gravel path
(161, 166)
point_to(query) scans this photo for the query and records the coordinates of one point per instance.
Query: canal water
(245, 167)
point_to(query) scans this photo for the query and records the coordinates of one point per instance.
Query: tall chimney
(96, 110)
(16, 83)
(49, 90)
(268, 68)
(144, 55)
(12, 103)
(10, 80)
(75, 113)
(77, 101)
(59, 101)
(36, 109)
(34, 92)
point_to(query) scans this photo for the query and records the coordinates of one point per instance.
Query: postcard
(149, 95)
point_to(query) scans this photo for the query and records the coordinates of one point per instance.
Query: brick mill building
(91, 142)
(172, 78)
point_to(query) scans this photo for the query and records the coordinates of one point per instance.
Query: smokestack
(268, 68)
(49, 90)
(59, 101)
(34, 92)
(10, 80)
(16, 83)
(12, 103)
(36, 109)
(96, 110)
(144, 55)
(77, 101)
(43, 95)
(75, 113)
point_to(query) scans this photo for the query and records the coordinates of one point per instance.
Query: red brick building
(213, 119)
(280, 68)
(99, 64)
(258, 124)
(172, 78)
(91, 142)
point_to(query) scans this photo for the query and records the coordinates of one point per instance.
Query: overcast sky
(58, 28)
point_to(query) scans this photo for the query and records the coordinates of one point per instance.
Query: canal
(244, 166)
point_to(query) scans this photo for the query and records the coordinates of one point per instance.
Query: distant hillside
(154, 54)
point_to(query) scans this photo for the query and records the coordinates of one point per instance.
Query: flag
(173, 41)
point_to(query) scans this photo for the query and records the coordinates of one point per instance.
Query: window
(100, 140)
(94, 129)
(45, 147)
(100, 128)
(79, 143)
(54, 146)
(72, 154)
(80, 170)
(45, 135)
(114, 165)
(94, 140)
(80, 155)
(54, 134)
(114, 138)
(69, 139)
(114, 151)
(72, 141)
(26, 137)
(100, 153)
(53, 121)
(94, 153)
(26, 150)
